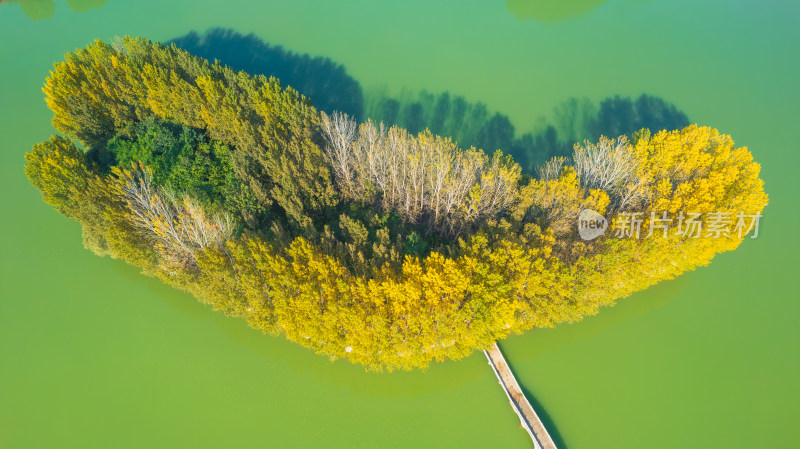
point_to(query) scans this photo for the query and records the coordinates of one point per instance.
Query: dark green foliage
(187, 161)
(364, 238)
(179, 156)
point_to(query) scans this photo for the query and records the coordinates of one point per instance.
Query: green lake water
(94, 355)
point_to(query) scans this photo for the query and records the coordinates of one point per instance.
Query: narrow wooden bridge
(527, 416)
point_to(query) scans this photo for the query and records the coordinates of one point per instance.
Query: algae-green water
(94, 355)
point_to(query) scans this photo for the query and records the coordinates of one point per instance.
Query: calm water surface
(93, 355)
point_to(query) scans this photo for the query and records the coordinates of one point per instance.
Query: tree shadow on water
(322, 80)
(473, 124)
(618, 115)
(330, 88)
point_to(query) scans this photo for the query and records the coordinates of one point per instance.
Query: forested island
(360, 240)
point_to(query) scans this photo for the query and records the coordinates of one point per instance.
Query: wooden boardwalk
(527, 416)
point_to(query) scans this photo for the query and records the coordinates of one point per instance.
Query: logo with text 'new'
(591, 224)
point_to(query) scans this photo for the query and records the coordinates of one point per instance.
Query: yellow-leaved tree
(385, 248)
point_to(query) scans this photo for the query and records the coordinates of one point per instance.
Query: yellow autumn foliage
(523, 268)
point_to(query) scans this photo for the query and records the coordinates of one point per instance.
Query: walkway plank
(527, 416)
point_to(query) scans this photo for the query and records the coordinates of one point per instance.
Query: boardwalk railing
(527, 416)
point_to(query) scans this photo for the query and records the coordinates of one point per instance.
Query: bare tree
(425, 178)
(178, 226)
(551, 169)
(118, 45)
(340, 132)
(610, 165)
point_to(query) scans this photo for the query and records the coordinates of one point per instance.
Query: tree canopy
(389, 248)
